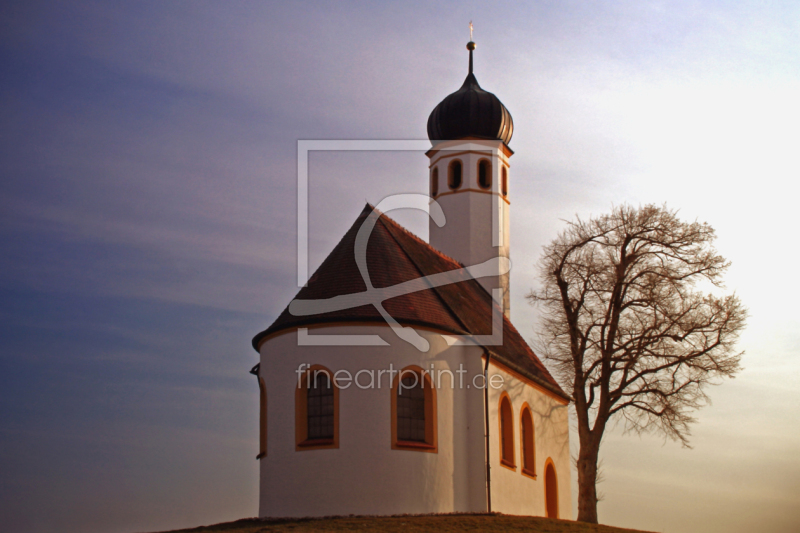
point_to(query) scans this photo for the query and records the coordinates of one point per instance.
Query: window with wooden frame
(316, 410)
(504, 182)
(434, 182)
(414, 416)
(527, 438)
(454, 174)
(484, 174)
(506, 433)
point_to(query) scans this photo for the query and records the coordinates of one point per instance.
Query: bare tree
(627, 330)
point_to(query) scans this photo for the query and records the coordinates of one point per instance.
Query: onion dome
(470, 112)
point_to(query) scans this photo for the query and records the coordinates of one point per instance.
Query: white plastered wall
(513, 492)
(364, 475)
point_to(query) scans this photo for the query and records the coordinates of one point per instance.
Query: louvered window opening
(484, 174)
(454, 181)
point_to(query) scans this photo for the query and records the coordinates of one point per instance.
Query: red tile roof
(394, 256)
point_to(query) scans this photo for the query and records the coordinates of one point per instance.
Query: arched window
(484, 174)
(506, 433)
(435, 182)
(550, 489)
(454, 175)
(319, 407)
(316, 410)
(504, 182)
(528, 442)
(414, 416)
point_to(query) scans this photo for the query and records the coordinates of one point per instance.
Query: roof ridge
(535, 357)
(417, 238)
(327, 257)
(422, 274)
(531, 355)
(431, 247)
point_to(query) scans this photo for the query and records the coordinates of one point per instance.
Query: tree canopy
(627, 328)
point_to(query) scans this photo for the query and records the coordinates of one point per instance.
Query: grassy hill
(404, 524)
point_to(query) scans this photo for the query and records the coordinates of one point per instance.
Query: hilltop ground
(404, 524)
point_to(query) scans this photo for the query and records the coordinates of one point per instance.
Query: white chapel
(446, 409)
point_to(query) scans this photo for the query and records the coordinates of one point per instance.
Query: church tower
(469, 178)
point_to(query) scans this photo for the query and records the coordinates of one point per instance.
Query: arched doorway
(550, 490)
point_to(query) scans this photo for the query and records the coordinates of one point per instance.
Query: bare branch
(624, 327)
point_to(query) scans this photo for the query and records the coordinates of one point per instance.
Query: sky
(148, 224)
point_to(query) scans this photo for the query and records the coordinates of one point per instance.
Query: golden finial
(470, 46)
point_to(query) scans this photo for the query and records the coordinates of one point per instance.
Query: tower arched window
(504, 182)
(414, 416)
(506, 432)
(316, 410)
(434, 182)
(484, 174)
(454, 177)
(528, 442)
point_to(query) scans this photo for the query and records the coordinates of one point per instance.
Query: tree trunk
(587, 480)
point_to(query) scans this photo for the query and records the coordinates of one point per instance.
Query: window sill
(413, 445)
(508, 464)
(529, 473)
(314, 444)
